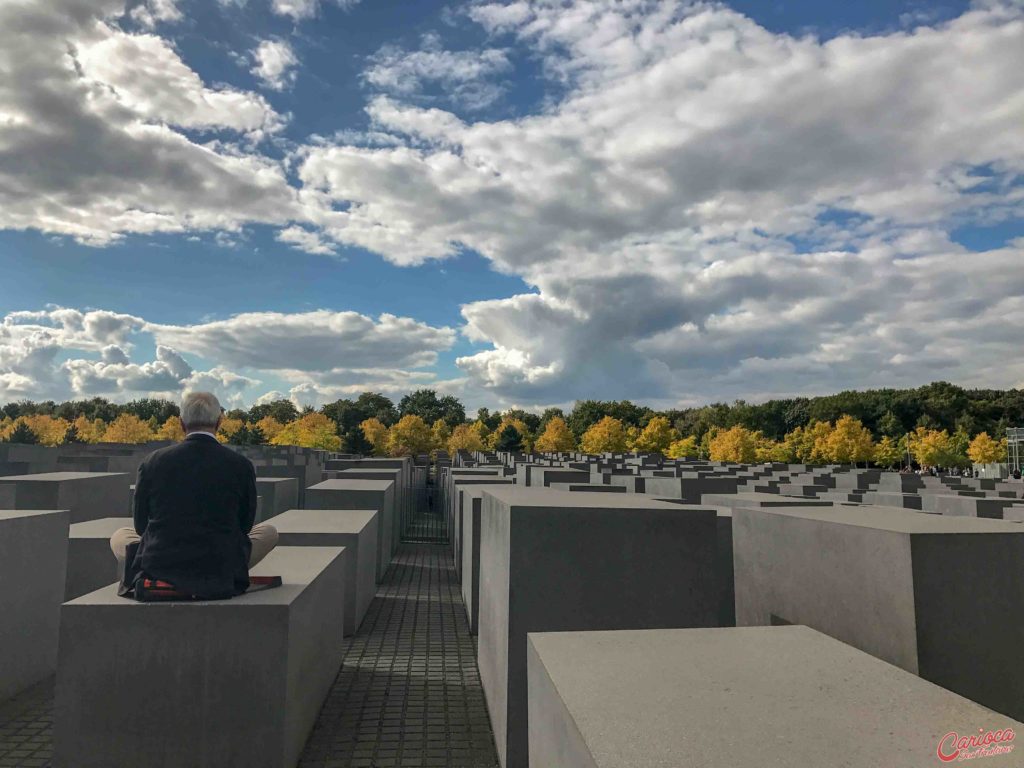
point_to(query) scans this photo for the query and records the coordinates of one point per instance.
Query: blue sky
(672, 202)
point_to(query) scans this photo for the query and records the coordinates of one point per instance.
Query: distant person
(195, 504)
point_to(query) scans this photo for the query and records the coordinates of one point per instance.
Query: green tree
(283, 411)
(23, 434)
(509, 440)
(428, 406)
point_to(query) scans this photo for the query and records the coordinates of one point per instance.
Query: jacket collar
(201, 436)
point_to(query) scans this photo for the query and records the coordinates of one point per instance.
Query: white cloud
(653, 205)
(462, 75)
(274, 63)
(154, 12)
(300, 10)
(62, 353)
(310, 341)
(90, 139)
(306, 240)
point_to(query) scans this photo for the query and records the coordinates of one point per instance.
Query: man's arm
(140, 507)
(247, 515)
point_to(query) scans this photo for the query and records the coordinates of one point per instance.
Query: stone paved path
(408, 693)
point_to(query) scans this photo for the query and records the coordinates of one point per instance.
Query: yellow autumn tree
(50, 431)
(986, 450)
(171, 430)
(481, 429)
(440, 433)
(683, 448)
(656, 437)
(849, 442)
(607, 436)
(465, 438)
(737, 444)
(270, 427)
(128, 428)
(376, 435)
(888, 453)
(556, 437)
(313, 430)
(932, 447)
(409, 437)
(90, 431)
(6, 427)
(227, 428)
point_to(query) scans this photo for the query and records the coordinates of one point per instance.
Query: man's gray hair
(200, 409)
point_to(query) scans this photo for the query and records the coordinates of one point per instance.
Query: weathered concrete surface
(353, 529)
(91, 563)
(87, 495)
(279, 494)
(556, 560)
(786, 697)
(33, 558)
(759, 501)
(938, 596)
(226, 683)
(361, 494)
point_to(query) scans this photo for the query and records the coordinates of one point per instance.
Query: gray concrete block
(786, 697)
(33, 559)
(759, 501)
(233, 682)
(91, 563)
(556, 561)
(279, 494)
(935, 595)
(87, 495)
(689, 489)
(361, 494)
(353, 529)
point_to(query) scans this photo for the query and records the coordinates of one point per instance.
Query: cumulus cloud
(710, 208)
(463, 76)
(91, 133)
(153, 12)
(61, 353)
(274, 63)
(310, 341)
(300, 10)
(703, 208)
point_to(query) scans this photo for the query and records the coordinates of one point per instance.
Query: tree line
(934, 425)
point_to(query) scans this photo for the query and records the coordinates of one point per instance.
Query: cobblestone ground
(408, 693)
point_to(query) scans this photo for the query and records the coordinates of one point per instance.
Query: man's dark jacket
(195, 504)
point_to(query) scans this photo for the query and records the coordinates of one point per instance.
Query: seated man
(195, 504)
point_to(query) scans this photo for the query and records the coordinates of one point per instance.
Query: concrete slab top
(353, 484)
(752, 696)
(15, 514)
(520, 496)
(355, 472)
(99, 529)
(274, 480)
(894, 519)
(56, 477)
(297, 566)
(323, 520)
(756, 499)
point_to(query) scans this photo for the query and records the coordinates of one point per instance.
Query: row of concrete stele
(237, 682)
(636, 612)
